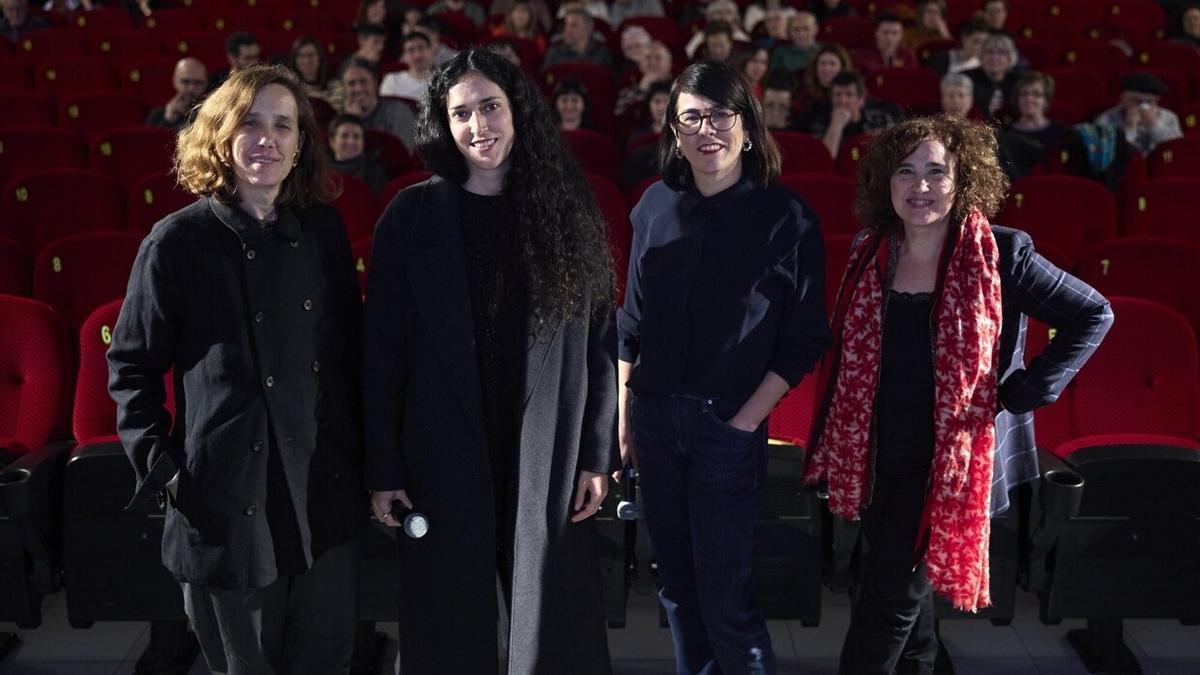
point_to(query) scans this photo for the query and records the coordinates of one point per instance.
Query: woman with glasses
(723, 314)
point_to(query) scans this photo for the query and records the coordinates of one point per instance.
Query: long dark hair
(724, 85)
(559, 243)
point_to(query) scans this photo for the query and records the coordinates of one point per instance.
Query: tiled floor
(642, 648)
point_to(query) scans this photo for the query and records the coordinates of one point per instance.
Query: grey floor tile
(1068, 666)
(1164, 639)
(61, 668)
(824, 641)
(975, 639)
(641, 639)
(56, 641)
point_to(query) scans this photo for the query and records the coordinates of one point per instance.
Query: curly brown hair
(979, 182)
(204, 148)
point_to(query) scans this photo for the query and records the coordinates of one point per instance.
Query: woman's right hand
(625, 442)
(381, 505)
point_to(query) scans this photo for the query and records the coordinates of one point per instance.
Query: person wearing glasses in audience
(723, 315)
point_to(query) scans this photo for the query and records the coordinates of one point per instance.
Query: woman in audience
(571, 105)
(926, 422)
(1035, 92)
(520, 22)
(996, 79)
(371, 12)
(641, 152)
(826, 63)
(307, 60)
(347, 144)
(656, 66)
(931, 25)
(490, 383)
(753, 66)
(249, 296)
(723, 315)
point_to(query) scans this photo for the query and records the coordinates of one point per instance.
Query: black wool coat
(263, 331)
(425, 434)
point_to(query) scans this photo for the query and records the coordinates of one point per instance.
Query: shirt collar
(246, 226)
(731, 198)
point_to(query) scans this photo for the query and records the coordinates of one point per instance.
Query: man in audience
(849, 113)
(888, 52)
(966, 57)
(241, 50)
(16, 21)
(1138, 114)
(347, 145)
(717, 10)
(794, 56)
(417, 54)
(624, 9)
(190, 80)
(471, 10)
(362, 99)
(578, 45)
(995, 15)
(431, 26)
(777, 101)
(372, 38)
(718, 41)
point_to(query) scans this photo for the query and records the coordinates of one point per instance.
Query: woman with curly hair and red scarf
(927, 419)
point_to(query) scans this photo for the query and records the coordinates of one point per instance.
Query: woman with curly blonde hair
(926, 422)
(249, 297)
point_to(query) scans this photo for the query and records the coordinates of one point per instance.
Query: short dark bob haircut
(722, 84)
(979, 182)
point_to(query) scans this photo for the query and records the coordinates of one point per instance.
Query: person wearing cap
(1146, 124)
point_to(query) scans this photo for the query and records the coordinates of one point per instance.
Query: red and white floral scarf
(967, 320)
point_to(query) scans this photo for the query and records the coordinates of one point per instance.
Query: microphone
(627, 508)
(414, 523)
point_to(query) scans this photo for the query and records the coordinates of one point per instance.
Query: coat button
(250, 254)
(316, 366)
(270, 380)
(294, 244)
(258, 317)
(249, 510)
(307, 305)
(257, 447)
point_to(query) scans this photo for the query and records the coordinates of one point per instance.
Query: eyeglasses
(689, 123)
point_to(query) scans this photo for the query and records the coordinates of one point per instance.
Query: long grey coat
(425, 434)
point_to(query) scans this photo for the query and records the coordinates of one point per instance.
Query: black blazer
(262, 328)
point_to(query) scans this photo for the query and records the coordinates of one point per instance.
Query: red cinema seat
(64, 78)
(37, 47)
(41, 207)
(233, 18)
(595, 152)
(393, 155)
(26, 150)
(80, 272)
(620, 232)
(35, 365)
(150, 81)
(830, 197)
(1136, 20)
(94, 114)
(1179, 158)
(1063, 214)
(14, 268)
(102, 20)
(357, 206)
(152, 198)
(850, 152)
(851, 32)
(1189, 119)
(131, 153)
(906, 87)
(1079, 88)
(661, 28)
(171, 22)
(398, 183)
(206, 45)
(25, 109)
(802, 153)
(125, 48)
(837, 256)
(1052, 423)
(792, 419)
(360, 250)
(635, 195)
(1101, 58)
(1174, 56)
(14, 77)
(1165, 271)
(1163, 208)
(597, 79)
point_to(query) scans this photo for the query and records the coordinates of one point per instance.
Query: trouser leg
(240, 632)
(322, 614)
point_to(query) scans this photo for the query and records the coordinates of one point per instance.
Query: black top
(498, 308)
(722, 289)
(904, 408)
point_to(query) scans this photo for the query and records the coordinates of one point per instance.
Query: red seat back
(37, 47)
(849, 154)
(14, 268)
(44, 206)
(620, 232)
(64, 78)
(78, 273)
(906, 87)
(26, 150)
(94, 114)
(1161, 270)
(398, 183)
(595, 152)
(35, 370)
(360, 250)
(1163, 208)
(357, 206)
(1179, 158)
(152, 198)
(802, 153)
(831, 198)
(1063, 214)
(1052, 423)
(25, 109)
(133, 152)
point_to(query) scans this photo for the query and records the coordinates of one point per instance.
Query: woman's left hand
(589, 493)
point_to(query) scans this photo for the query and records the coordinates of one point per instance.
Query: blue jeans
(701, 486)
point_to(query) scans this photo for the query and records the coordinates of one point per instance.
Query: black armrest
(1059, 492)
(26, 479)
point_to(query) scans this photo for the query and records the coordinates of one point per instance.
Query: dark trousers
(303, 623)
(892, 619)
(701, 487)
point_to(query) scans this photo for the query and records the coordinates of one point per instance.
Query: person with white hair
(996, 79)
(958, 95)
(718, 10)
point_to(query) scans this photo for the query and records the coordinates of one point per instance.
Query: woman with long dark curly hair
(490, 383)
(723, 315)
(927, 420)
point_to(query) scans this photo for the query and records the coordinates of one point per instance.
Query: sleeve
(803, 330)
(347, 320)
(629, 316)
(598, 451)
(1078, 313)
(142, 351)
(384, 356)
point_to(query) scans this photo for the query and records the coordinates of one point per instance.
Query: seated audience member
(507, 48)
(190, 81)
(597, 9)
(772, 26)
(641, 154)
(241, 50)
(371, 12)
(718, 41)
(570, 105)
(634, 41)
(887, 52)
(541, 11)
(653, 111)
(958, 95)
(431, 26)
(931, 25)
(307, 59)
(1035, 93)
(995, 79)
(347, 146)
(656, 66)
(777, 101)
(752, 64)
(578, 45)
(619, 10)
(825, 10)
(848, 113)
(372, 39)
(520, 22)
(467, 8)
(995, 15)
(362, 99)
(410, 16)
(971, 35)
(1187, 25)
(1138, 114)
(16, 20)
(417, 54)
(829, 60)
(717, 10)
(795, 54)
